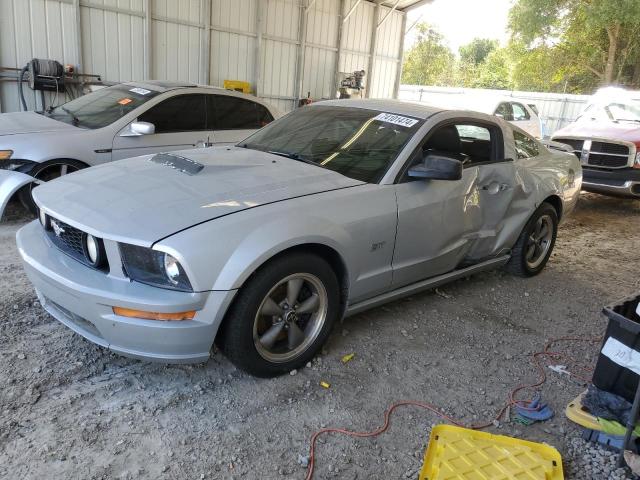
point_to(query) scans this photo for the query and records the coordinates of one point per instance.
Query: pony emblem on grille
(57, 229)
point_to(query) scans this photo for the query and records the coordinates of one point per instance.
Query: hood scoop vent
(182, 164)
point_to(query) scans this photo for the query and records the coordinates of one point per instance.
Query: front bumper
(620, 183)
(82, 299)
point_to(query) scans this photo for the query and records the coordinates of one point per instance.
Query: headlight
(636, 164)
(5, 154)
(155, 268)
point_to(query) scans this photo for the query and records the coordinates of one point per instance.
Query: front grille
(576, 145)
(68, 239)
(600, 154)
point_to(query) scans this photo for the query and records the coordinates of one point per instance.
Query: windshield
(102, 107)
(627, 111)
(358, 143)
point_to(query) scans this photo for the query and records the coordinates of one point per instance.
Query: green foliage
(429, 61)
(477, 50)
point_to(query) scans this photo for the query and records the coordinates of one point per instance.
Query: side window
(232, 113)
(519, 112)
(504, 111)
(526, 147)
(472, 143)
(180, 113)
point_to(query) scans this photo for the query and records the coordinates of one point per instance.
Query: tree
(429, 61)
(476, 51)
(597, 37)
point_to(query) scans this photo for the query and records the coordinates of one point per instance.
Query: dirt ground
(70, 409)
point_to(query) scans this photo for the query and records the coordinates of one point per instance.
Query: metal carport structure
(284, 48)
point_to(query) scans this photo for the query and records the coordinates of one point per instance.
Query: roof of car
(165, 86)
(400, 107)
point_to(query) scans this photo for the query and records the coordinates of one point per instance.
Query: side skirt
(425, 285)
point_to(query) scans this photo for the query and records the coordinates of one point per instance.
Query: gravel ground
(69, 409)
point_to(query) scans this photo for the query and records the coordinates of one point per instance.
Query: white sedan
(117, 122)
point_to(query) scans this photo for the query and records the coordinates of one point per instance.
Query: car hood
(624, 131)
(29, 122)
(141, 201)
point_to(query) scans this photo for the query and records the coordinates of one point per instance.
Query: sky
(460, 21)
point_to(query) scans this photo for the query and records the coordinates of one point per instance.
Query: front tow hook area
(10, 183)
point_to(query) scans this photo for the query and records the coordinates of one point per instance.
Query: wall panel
(113, 46)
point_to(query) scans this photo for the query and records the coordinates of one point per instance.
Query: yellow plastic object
(577, 414)
(456, 453)
(237, 85)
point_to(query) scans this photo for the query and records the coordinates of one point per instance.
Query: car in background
(519, 113)
(121, 121)
(337, 207)
(606, 139)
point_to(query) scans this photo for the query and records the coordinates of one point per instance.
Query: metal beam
(351, 10)
(416, 5)
(146, 25)
(78, 23)
(206, 42)
(302, 38)
(396, 85)
(257, 64)
(384, 19)
(372, 51)
(413, 25)
(336, 64)
(306, 9)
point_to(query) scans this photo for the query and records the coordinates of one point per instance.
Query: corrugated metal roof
(404, 4)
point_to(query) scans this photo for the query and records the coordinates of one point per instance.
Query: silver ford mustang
(335, 208)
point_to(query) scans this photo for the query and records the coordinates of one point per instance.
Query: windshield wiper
(74, 119)
(292, 156)
(628, 120)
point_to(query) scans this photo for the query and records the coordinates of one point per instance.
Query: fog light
(44, 219)
(92, 248)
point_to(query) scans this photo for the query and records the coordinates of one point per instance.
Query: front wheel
(46, 172)
(282, 315)
(535, 244)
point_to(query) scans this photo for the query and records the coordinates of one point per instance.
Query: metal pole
(302, 39)
(631, 425)
(147, 39)
(396, 86)
(257, 63)
(372, 51)
(78, 22)
(206, 42)
(336, 65)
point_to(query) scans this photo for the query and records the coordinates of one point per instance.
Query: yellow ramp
(456, 453)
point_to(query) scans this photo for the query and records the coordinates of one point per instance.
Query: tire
(521, 262)
(45, 172)
(243, 335)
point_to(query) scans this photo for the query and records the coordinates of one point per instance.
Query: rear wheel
(46, 172)
(282, 315)
(535, 244)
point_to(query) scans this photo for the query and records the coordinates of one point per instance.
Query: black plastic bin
(624, 326)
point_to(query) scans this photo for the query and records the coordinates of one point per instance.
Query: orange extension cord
(511, 401)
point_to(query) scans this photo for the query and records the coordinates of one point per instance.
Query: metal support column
(372, 51)
(147, 39)
(257, 63)
(302, 40)
(396, 85)
(205, 63)
(336, 64)
(78, 23)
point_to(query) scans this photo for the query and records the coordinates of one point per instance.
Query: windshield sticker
(396, 119)
(140, 91)
(124, 101)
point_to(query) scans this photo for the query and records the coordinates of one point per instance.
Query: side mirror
(437, 167)
(141, 128)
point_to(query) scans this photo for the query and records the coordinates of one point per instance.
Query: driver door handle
(495, 187)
